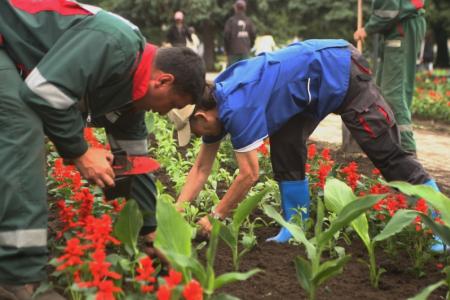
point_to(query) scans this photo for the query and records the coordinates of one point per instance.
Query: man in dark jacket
(178, 32)
(239, 34)
(63, 64)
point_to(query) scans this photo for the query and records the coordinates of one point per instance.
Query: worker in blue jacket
(284, 95)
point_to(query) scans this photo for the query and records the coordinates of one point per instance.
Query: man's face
(162, 97)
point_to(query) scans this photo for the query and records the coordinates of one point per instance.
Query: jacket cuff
(72, 151)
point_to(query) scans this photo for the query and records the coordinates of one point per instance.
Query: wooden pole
(349, 145)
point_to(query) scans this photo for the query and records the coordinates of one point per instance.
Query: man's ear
(165, 79)
(201, 115)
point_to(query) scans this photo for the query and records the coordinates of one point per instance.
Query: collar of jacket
(143, 72)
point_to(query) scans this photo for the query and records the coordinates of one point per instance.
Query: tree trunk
(441, 35)
(209, 33)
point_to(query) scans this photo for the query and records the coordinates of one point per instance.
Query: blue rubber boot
(294, 195)
(439, 245)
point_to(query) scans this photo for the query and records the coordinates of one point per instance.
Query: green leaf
(426, 292)
(233, 277)
(337, 196)
(329, 269)
(400, 220)
(227, 236)
(303, 270)
(173, 233)
(128, 225)
(295, 230)
(438, 200)
(189, 263)
(350, 212)
(245, 208)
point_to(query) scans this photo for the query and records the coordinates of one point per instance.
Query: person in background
(195, 44)
(402, 25)
(178, 33)
(284, 95)
(239, 34)
(427, 57)
(64, 64)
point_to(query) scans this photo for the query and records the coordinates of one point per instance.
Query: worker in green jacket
(402, 26)
(64, 64)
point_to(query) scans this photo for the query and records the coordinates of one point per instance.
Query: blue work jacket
(255, 97)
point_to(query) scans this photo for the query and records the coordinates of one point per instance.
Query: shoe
(26, 292)
(294, 195)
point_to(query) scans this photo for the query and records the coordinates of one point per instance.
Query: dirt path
(433, 146)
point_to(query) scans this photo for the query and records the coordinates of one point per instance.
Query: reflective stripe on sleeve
(24, 238)
(41, 87)
(132, 147)
(386, 13)
(403, 128)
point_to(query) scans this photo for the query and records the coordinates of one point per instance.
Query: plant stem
(373, 266)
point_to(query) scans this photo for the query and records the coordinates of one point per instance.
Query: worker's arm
(384, 16)
(198, 174)
(248, 175)
(79, 64)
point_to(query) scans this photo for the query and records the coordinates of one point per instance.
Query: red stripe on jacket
(62, 7)
(143, 71)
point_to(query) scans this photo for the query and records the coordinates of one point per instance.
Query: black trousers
(371, 123)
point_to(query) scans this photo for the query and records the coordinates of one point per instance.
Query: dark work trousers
(370, 122)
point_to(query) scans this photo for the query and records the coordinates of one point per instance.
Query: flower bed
(432, 96)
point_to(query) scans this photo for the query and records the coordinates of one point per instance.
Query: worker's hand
(95, 166)
(360, 34)
(205, 226)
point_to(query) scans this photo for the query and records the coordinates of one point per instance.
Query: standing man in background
(402, 26)
(239, 34)
(178, 33)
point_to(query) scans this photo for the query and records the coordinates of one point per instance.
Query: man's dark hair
(187, 68)
(207, 101)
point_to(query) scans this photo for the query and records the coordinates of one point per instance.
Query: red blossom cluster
(351, 174)
(85, 254)
(264, 148)
(319, 166)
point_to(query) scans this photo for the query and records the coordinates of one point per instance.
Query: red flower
(326, 154)
(311, 151)
(351, 174)
(73, 253)
(439, 266)
(145, 270)
(174, 278)
(193, 291)
(376, 172)
(163, 293)
(106, 290)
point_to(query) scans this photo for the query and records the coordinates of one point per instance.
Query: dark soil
(278, 279)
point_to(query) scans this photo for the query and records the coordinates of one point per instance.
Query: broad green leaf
(338, 195)
(295, 230)
(426, 292)
(190, 263)
(329, 269)
(350, 212)
(404, 217)
(438, 200)
(173, 233)
(233, 277)
(303, 271)
(227, 236)
(128, 226)
(211, 255)
(245, 208)
(400, 220)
